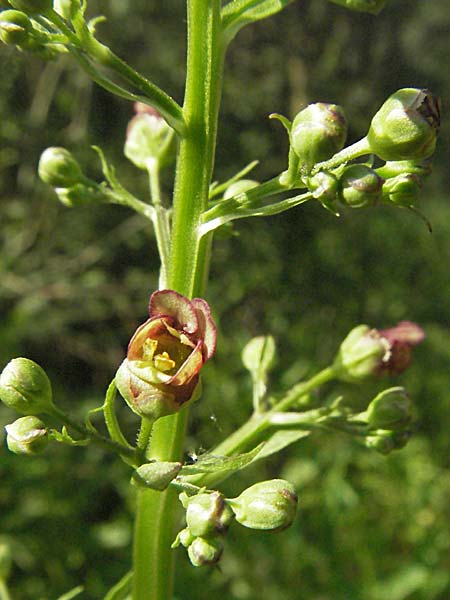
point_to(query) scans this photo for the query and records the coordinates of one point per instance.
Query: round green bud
(361, 354)
(15, 27)
(156, 475)
(32, 7)
(25, 387)
(324, 188)
(391, 409)
(185, 537)
(385, 441)
(406, 126)
(203, 552)
(207, 514)
(360, 186)
(58, 168)
(5, 561)
(318, 131)
(26, 435)
(149, 139)
(268, 505)
(402, 189)
(239, 187)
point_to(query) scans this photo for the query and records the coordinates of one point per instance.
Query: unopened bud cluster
(268, 505)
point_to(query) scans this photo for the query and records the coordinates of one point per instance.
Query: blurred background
(74, 284)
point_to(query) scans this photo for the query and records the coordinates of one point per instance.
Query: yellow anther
(163, 362)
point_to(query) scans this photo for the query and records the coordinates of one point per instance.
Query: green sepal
(63, 437)
(239, 13)
(224, 465)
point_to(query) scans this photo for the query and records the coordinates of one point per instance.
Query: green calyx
(406, 126)
(207, 514)
(360, 355)
(25, 387)
(205, 551)
(391, 409)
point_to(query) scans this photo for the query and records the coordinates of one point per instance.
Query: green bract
(32, 7)
(318, 131)
(156, 475)
(269, 505)
(27, 435)
(406, 126)
(58, 168)
(360, 186)
(25, 387)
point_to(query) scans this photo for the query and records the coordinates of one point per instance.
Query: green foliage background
(75, 283)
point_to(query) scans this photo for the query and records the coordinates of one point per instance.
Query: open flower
(401, 339)
(165, 355)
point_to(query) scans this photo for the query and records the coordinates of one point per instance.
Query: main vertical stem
(188, 268)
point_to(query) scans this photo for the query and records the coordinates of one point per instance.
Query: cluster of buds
(58, 168)
(160, 374)
(266, 506)
(402, 133)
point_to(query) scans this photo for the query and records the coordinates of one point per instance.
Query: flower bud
(318, 131)
(5, 561)
(390, 409)
(156, 475)
(184, 537)
(239, 187)
(406, 126)
(149, 138)
(15, 27)
(385, 441)
(165, 355)
(401, 339)
(32, 7)
(392, 168)
(360, 354)
(324, 188)
(25, 387)
(269, 505)
(205, 551)
(402, 189)
(26, 435)
(206, 514)
(360, 186)
(368, 6)
(58, 168)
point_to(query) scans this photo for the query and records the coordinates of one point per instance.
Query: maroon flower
(165, 355)
(401, 339)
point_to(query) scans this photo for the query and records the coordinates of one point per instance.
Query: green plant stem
(357, 149)
(160, 219)
(4, 592)
(156, 511)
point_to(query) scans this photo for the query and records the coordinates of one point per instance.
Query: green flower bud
(15, 27)
(27, 435)
(206, 514)
(79, 195)
(32, 7)
(385, 441)
(184, 538)
(149, 138)
(5, 561)
(25, 387)
(361, 354)
(361, 187)
(58, 168)
(268, 505)
(368, 6)
(391, 409)
(406, 126)
(239, 187)
(402, 189)
(392, 168)
(324, 188)
(156, 475)
(205, 551)
(318, 131)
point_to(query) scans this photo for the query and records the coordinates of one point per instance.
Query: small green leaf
(280, 440)
(208, 463)
(239, 13)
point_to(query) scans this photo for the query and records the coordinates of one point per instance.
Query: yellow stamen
(148, 349)
(163, 362)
